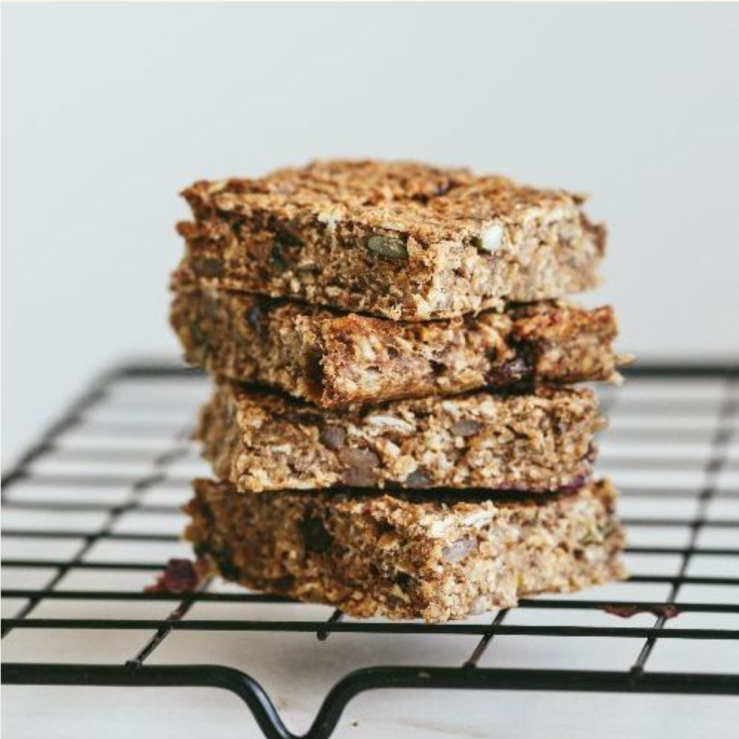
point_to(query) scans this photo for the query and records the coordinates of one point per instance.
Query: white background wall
(109, 110)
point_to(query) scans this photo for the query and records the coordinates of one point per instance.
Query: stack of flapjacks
(399, 424)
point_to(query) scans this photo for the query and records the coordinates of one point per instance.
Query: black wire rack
(680, 419)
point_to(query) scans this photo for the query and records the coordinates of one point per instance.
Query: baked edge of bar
(319, 245)
(536, 442)
(301, 531)
(335, 360)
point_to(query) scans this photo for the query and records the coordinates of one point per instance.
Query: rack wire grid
(104, 485)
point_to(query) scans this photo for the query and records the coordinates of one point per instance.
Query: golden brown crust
(398, 240)
(405, 556)
(536, 442)
(334, 360)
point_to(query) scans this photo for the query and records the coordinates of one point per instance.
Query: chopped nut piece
(361, 467)
(466, 428)
(459, 549)
(333, 437)
(419, 479)
(492, 238)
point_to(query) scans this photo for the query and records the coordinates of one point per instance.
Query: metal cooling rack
(123, 448)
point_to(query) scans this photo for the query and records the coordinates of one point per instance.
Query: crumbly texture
(405, 556)
(536, 442)
(399, 240)
(334, 360)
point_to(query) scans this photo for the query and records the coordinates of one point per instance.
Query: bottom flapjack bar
(407, 556)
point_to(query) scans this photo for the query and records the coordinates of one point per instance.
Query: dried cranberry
(315, 536)
(180, 576)
(207, 267)
(510, 372)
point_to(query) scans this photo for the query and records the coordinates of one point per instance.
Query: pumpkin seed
(389, 247)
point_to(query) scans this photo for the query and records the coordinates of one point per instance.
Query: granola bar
(333, 359)
(406, 556)
(536, 442)
(399, 240)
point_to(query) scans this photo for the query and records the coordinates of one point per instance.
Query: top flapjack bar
(398, 240)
